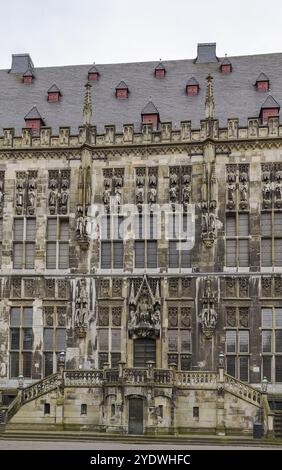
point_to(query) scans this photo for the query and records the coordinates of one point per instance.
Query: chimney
(21, 63)
(206, 53)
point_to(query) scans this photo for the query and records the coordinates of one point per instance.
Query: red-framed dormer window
(28, 77)
(34, 121)
(122, 91)
(160, 71)
(262, 83)
(93, 73)
(54, 94)
(192, 87)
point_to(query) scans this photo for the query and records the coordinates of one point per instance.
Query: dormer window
(34, 121)
(53, 94)
(150, 114)
(226, 66)
(122, 91)
(262, 82)
(28, 77)
(269, 108)
(160, 71)
(93, 73)
(192, 87)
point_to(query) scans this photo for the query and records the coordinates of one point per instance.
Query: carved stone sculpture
(144, 317)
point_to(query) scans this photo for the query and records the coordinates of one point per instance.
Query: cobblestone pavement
(71, 445)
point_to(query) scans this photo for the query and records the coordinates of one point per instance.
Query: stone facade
(217, 176)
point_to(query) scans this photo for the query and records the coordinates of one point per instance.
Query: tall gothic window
(54, 337)
(112, 242)
(109, 335)
(146, 245)
(21, 341)
(271, 333)
(237, 342)
(179, 233)
(57, 246)
(271, 238)
(237, 239)
(179, 337)
(24, 231)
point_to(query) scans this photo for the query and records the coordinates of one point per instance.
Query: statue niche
(144, 318)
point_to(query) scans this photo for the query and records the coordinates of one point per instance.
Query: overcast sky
(62, 32)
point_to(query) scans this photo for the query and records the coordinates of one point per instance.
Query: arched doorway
(144, 351)
(135, 416)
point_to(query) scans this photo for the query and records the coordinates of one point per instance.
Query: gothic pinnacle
(87, 107)
(209, 104)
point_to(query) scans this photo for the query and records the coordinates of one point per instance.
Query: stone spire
(209, 104)
(87, 107)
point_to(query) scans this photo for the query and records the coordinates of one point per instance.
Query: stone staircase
(278, 424)
(134, 376)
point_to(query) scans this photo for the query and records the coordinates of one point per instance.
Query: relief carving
(144, 318)
(208, 314)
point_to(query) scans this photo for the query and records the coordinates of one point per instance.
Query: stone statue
(106, 197)
(173, 193)
(231, 193)
(31, 198)
(205, 223)
(212, 222)
(80, 226)
(52, 198)
(64, 198)
(144, 311)
(243, 193)
(19, 195)
(152, 195)
(140, 195)
(266, 192)
(132, 320)
(156, 316)
(278, 194)
(118, 195)
(186, 194)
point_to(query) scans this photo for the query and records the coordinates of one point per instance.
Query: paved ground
(70, 445)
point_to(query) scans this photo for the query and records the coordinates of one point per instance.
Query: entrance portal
(135, 423)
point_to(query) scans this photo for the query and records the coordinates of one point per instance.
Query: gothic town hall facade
(141, 246)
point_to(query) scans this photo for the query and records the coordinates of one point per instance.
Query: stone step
(183, 439)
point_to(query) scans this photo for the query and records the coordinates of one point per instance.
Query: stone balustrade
(135, 376)
(83, 378)
(196, 379)
(242, 390)
(39, 388)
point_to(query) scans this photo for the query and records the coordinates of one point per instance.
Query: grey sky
(62, 32)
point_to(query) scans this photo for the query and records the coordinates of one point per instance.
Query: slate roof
(33, 114)
(150, 108)
(192, 81)
(53, 89)
(122, 86)
(235, 95)
(225, 61)
(270, 102)
(28, 73)
(160, 66)
(262, 78)
(93, 69)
